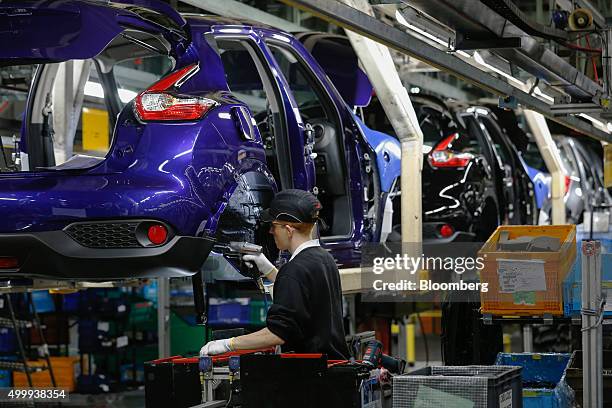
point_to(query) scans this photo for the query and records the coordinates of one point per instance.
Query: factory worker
(306, 314)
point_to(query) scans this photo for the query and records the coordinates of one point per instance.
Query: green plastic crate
(258, 312)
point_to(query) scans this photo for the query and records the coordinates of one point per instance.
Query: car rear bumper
(458, 236)
(54, 254)
(432, 236)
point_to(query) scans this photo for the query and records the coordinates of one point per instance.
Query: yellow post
(410, 341)
(507, 345)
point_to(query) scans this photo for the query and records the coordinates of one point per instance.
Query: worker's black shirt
(307, 309)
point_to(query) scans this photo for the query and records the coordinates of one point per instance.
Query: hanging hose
(593, 61)
(582, 49)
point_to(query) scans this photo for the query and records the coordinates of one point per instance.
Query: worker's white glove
(215, 347)
(263, 264)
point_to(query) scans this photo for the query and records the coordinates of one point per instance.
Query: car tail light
(443, 156)
(446, 230)
(567, 181)
(162, 102)
(157, 234)
(8, 262)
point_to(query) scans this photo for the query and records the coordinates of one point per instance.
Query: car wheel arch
(236, 216)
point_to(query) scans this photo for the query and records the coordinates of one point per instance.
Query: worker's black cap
(293, 206)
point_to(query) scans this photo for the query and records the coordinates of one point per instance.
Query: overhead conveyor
(480, 27)
(411, 45)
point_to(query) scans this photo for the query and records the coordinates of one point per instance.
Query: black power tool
(374, 356)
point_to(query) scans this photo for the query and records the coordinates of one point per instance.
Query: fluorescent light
(594, 121)
(478, 58)
(538, 92)
(400, 19)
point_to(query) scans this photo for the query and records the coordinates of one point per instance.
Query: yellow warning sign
(608, 165)
(95, 129)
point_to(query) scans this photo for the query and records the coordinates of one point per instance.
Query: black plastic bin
(573, 376)
(454, 386)
(280, 381)
(172, 383)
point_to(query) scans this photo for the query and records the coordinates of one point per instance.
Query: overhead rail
(355, 20)
(480, 27)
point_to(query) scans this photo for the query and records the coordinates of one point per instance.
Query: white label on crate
(122, 341)
(521, 275)
(103, 326)
(505, 399)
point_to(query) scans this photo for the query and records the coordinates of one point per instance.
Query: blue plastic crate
(8, 340)
(71, 302)
(572, 285)
(6, 378)
(230, 311)
(543, 383)
(43, 301)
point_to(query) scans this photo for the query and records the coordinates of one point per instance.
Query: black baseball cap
(293, 205)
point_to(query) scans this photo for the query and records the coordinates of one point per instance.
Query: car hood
(54, 31)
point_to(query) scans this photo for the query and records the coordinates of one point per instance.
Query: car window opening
(102, 87)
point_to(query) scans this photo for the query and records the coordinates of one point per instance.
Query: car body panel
(541, 184)
(388, 155)
(76, 29)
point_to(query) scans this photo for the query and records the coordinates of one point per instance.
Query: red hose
(593, 61)
(584, 49)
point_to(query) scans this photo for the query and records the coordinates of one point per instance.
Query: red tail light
(157, 234)
(567, 180)
(443, 156)
(162, 102)
(8, 262)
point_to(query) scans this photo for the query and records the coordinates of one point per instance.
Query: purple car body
(88, 218)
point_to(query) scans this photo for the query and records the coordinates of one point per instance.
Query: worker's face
(282, 234)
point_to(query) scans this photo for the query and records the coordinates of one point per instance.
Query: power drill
(247, 248)
(374, 357)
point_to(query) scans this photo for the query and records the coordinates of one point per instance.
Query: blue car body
(541, 184)
(85, 219)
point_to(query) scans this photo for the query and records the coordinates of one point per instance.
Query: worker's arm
(263, 338)
(272, 275)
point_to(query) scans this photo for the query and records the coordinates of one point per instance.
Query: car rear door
(79, 29)
(516, 179)
(507, 167)
(342, 160)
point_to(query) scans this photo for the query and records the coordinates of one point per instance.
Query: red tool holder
(219, 358)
